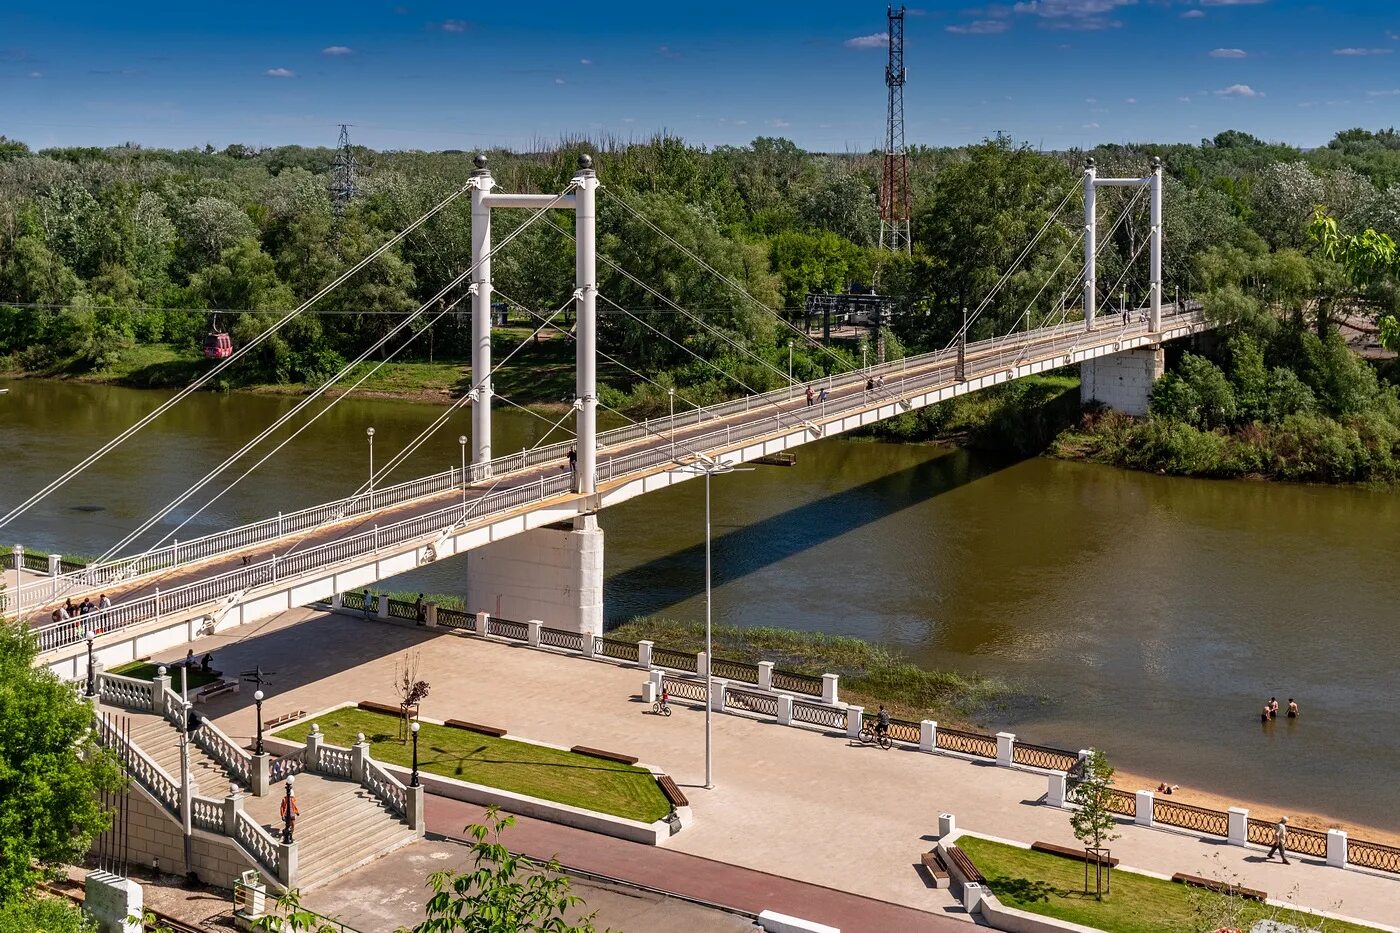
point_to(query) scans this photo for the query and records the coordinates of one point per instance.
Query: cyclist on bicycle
(882, 722)
(665, 698)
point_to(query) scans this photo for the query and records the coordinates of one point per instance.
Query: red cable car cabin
(217, 345)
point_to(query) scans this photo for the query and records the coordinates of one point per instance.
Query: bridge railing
(231, 583)
(231, 540)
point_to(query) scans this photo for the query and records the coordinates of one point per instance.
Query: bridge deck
(544, 484)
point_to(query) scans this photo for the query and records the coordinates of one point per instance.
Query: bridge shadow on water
(663, 582)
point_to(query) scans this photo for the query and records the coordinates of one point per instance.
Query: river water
(1152, 616)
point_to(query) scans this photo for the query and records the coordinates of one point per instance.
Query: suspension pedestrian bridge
(527, 518)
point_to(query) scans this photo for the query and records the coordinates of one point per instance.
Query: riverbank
(872, 675)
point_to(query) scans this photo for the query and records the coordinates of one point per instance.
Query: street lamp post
(671, 394)
(369, 432)
(789, 369)
(413, 780)
(91, 673)
(257, 701)
(462, 442)
(710, 468)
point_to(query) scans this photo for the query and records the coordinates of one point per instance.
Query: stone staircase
(342, 825)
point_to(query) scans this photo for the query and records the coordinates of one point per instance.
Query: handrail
(378, 781)
(234, 582)
(141, 766)
(231, 540)
(235, 759)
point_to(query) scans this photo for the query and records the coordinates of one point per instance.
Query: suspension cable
(321, 389)
(222, 364)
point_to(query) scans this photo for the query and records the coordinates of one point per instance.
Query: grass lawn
(146, 670)
(1054, 886)
(547, 773)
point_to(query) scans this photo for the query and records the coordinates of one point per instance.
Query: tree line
(103, 250)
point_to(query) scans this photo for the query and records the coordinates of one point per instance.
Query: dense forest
(121, 260)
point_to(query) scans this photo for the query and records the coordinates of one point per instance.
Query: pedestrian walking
(289, 811)
(419, 612)
(104, 601)
(810, 396)
(822, 398)
(573, 459)
(1280, 838)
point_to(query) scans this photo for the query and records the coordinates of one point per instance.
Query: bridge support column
(1122, 381)
(481, 314)
(1091, 244)
(1155, 247)
(554, 574)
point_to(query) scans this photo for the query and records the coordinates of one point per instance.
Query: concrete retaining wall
(553, 573)
(155, 834)
(1122, 381)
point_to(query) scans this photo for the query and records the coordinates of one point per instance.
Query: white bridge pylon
(582, 202)
(1091, 185)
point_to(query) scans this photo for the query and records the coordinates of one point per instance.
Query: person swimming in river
(1292, 709)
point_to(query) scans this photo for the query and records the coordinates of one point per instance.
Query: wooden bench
(964, 866)
(1079, 855)
(285, 718)
(607, 756)
(215, 689)
(672, 792)
(389, 708)
(1219, 887)
(933, 864)
(475, 727)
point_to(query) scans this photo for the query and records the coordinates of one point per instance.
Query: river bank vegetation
(115, 263)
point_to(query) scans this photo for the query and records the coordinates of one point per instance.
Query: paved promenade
(788, 801)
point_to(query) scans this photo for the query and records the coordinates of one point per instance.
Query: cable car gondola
(217, 344)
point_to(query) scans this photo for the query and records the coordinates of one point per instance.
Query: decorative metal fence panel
(676, 660)
(902, 730)
(734, 670)
(398, 609)
(1302, 841)
(352, 600)
(969, 743)
(1043, 756)
(558, 638)
(1172, 813)
(456, 618)
(818, 715)
(797, 683)
(506, 628)
(765, 703)
(1122, 803)
(1373, 855)
(612, 648)
(685, 689)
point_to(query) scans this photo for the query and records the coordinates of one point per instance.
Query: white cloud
(741, 122)
(1074, 14)
(1393, 36)
(1130, 100)
(980, 27)
(779, 123)
(1091, 100)
(1239, 90)
(36, 74)
(585, 61)
(1184, 99)
(1089, 126)
(280, 73)
(629, 119)
(1232, 2)
(558, 80)
(454, 25)
(1228, 53)
(1193, 14)
(1352, 51)
(1391, 93)
(876, 40)
(337, 50)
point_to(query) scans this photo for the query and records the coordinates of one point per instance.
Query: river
(1152, 615)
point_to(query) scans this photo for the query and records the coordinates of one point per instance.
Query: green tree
(1092, 820)
(51, 770)
(503, 893)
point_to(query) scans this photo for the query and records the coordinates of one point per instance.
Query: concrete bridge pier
(1122, 381)
(554, 574)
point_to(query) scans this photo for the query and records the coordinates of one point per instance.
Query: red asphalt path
(689, 875)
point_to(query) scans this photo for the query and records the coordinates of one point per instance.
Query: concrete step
(374, 846)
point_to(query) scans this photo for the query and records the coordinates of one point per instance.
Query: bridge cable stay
(321, 389)
(645, 425)
(709, 328)
(727, 280)
(1064, 309)
(222, 365)
(1011, 270)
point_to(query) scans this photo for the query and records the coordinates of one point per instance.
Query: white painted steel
(1091, 234)
(1155, 249)
(586, 326)
(481, 315)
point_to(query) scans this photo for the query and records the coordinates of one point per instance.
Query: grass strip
(146, 670)
(519, 767)
(1054, 887)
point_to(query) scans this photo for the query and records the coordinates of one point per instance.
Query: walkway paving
(789, 802)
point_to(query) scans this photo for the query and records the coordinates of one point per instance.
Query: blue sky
(437, 75)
